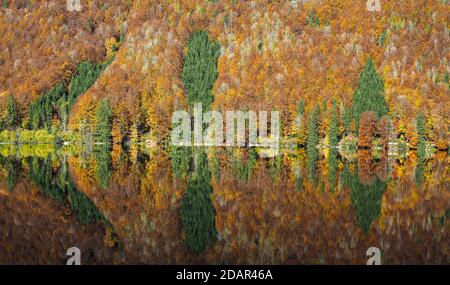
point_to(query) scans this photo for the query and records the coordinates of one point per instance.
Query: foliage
(42, 111)
(13, 168)
(27, 137)
(242, 168)
(347, 120)
(197, 211)
(366, 198)
(333, 130)
(313, 127)
(104, 122)
(382, 130)
(421, 127)
(312, 142)
(200, 69)
(313, 19)
(268, 60)
(369, 96)
(59, 187)
(56, 104)
(367, 129)
(332, 167)
(11, 119)
(86, 75)
(42, 42)
(103, 166)
(421, 131)
(301, 107)
(180, 158)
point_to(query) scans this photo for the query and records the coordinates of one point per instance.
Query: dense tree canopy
(200, 69)
(42, 111)
(272, 55)
(104, 122)
(369, 96)
(86, 75)
(11, 119)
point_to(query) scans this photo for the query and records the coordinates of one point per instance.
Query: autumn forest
(88, 93)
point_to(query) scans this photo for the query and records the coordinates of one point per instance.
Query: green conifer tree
(86, 75)
(104, 122)
(41, 112)
(12, 113)
(333, 129)
(369, 96)
(347, 120)
(301, 107)
(313, 129)
(312, 141)
(197, 211)
(421, 131)
(200, 69)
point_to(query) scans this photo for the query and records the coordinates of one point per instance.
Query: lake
(221, 206)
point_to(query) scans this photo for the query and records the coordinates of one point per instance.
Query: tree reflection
(56, 184)
(420, 168)
(276, 165)
(332, 167)
(241, 166)
(13, 168)
(103, 168)
(180, 158)
(163, 220)
(197, 211)
(312, 156)
(367, 189)
(421, 161)
(215, 168)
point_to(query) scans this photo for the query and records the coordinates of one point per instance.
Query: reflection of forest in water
(221, 206)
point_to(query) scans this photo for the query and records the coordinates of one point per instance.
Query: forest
(114, 73)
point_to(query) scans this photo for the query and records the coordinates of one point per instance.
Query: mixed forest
(114, 72)
(86, 94)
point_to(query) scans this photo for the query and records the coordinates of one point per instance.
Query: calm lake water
(221, 206)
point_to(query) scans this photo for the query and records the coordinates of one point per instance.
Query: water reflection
(366, 197)
(43, 214)
(12, 169)
(55, 183)
(103, 168)
(221, 206)
(197, 212)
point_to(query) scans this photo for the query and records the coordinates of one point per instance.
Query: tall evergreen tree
(200, 69)
(104, 122)
(197, 211)
(86, 75)
(313, 129)
(332, 167)
(13, 169)
(180, 158)
(347, 120)
(421, 131)
(12, 120)
(421, 127)
(312, 141)
(366, 199)
(41, 112)
(369, 96)
(301, 107)
(333, 130)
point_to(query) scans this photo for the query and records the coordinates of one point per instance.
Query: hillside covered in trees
(115, 71)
